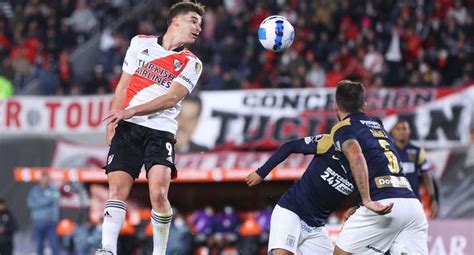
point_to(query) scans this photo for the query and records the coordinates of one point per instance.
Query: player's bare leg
(281, 252)
(159, 178)
(120, 184)
(339, 251)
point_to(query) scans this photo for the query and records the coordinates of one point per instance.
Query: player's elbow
(171, 101)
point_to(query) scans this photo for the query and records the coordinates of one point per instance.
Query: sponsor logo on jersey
(144, 52)
(309, 139)
(374, 249)
(107, 214)
(177, 64)
(412, 154)
(197, 68)
(186, 79)
(334, 157)
(156, 73)
(408, 167)
(338, 146)
(290, 240)
(110, 158)
(338, 182)
(378, 133)
(310, 229)
(388, 181)
(371, 124)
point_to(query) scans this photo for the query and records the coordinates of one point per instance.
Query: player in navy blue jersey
(297, 222)
(415, 165)
(390, 215)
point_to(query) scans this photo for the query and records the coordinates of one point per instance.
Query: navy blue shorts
(134, 146)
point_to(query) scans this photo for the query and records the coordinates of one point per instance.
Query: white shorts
(289, 232)
(405, 228)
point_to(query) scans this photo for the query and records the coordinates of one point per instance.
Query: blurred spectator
(202, 223)
(316, 76)
(249, 235)
(227, 223)
(82, 20)
(99, 83)
(65, 73)
(8, 226)
(6, 87)
(180, 239)
(86, 238)
(332, 41)
(43, 201)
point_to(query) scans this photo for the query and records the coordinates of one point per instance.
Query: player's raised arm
(305, 146)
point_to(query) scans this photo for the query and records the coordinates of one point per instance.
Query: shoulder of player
(325, 142)
(147, 36)
(340, 124)
(189, 54)
(413, 147)
(143, 39)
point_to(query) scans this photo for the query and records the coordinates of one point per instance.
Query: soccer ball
(276, 33)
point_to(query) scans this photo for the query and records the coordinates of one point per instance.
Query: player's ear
(364, 106)
(174, 21)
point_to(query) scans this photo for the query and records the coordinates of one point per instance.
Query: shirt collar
(353, 114)
(160, 42)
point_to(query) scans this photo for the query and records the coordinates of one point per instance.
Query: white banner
(255, 119)
(265, 118)
(53, 115)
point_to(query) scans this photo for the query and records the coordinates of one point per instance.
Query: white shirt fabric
(153, 70)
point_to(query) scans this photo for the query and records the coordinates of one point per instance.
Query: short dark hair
(350, 96)
(183, 8)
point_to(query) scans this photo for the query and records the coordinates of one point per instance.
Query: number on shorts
(393, 165)
(169, 147)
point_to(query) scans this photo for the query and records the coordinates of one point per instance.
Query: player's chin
(192, 40)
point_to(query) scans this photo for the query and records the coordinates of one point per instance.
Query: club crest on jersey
(177, 65)
(197, 67)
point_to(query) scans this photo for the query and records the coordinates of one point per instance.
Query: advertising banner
(255, 119)
(26, 115)
(265, 118)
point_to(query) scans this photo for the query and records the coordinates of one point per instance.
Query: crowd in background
(380, 42)
(37, 38)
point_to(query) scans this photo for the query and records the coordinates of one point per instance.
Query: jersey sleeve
(422, 162)
(305, 146)
(130, 62)
(190, 74)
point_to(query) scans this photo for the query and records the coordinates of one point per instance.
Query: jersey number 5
(393, 165)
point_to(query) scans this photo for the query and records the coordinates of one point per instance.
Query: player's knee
(159, 196)
(117, 192)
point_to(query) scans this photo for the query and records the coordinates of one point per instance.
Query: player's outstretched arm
(295, 146)
(354, 155)
(175, 94)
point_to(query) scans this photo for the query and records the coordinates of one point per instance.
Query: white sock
(114, 217)
(161, 227)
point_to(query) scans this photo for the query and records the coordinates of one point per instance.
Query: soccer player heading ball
(158, 72)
